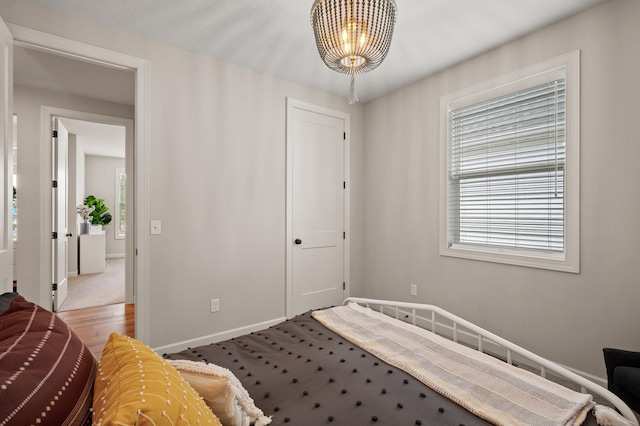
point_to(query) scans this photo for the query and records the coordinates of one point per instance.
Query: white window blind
(506, 171)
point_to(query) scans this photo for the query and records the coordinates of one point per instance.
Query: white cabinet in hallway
(92, 253)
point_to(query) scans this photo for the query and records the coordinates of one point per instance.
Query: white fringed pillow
(222, 392)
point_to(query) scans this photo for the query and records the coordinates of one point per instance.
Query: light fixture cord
(353, 95)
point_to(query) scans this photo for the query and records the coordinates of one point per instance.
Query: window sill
(527, 258)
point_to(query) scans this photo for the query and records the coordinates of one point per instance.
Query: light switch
(156, 228)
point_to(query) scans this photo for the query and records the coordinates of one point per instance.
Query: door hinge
(344, 136)
(344, 235)
(54, 133)
(344, 286)
(54, 235)
(54, 184)
(344, 185)
(54, 286)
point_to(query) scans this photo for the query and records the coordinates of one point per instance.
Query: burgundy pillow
(46, 372)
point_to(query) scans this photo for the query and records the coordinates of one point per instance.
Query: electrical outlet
(414, 290)
(155, 227)
(215, 305)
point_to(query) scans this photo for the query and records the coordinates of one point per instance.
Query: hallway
(107, 288)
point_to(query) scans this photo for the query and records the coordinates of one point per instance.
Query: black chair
(623, 375)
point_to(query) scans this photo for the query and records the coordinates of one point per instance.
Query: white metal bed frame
(459, 330)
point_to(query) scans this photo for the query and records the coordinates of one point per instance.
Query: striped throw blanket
(489, 388)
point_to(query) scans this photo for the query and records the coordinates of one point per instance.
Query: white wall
(80, 171)
(100, 181)
(566, 317)
(216, 181)
(74, 219)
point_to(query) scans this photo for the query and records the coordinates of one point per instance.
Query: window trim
(117, 234)
(568, 66)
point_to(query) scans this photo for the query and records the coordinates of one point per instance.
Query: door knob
(298, 241)
(69, 234)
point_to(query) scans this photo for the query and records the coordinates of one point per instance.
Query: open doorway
(35, 179)
(96, 254)
(91, 101)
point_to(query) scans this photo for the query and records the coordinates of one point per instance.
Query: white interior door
(6, 164)
(60, 218)
(318, 145)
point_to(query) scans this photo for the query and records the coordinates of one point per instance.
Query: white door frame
(291, 105)
(6, 159)
(47, 113)
(34, 39)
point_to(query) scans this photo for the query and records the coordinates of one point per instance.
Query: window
(511, 169)
(121, 197)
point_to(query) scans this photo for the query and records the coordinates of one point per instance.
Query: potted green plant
(99, 216)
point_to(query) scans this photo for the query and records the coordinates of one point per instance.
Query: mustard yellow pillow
(134, 385)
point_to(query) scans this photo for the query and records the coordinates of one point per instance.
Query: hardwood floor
(94, 325)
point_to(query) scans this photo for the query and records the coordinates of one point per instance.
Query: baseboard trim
(114, 256)
(71, 274)
(216, 337)
(596, 379)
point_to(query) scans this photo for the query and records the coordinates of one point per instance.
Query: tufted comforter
(301, 373)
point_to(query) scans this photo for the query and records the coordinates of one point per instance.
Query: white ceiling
(105, 140)
(275, 36)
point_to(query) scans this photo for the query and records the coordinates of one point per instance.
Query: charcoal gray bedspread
(301, 373)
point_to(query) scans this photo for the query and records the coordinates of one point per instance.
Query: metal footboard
(459, 330)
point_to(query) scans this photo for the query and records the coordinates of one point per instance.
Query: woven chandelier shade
(353, 36)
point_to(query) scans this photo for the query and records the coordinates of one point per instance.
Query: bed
(344, 365)
(302, 372)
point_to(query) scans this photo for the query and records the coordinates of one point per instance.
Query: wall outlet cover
(155, 227)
